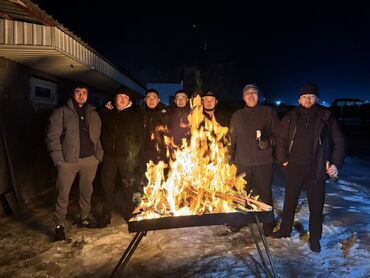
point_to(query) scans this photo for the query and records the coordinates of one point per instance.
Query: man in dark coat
(155, 117)
(154, 122)
(122, 137)
(178, 125)
(209, 102)
(154, 148)
(310, 148)
(73, 141)
(252, 138)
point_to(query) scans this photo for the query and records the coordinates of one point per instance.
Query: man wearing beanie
(310, 148)
(252, 140)
(122, 137)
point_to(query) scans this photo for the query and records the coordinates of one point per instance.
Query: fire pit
(236, 219)
(233, 219)
(198, 187)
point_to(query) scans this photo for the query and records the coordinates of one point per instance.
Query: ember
(200, 179)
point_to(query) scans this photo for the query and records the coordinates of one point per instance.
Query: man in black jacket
(209, 102)
(252, 139)
(122, 137)
(155, 117)
(178, 125)
(153, 124)
(310, 148)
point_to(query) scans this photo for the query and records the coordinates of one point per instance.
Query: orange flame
(199, 179)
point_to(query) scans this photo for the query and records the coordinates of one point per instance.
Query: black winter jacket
(153, 146)
(328, 140)
(243, 126)
(122, 131)
(178, 124)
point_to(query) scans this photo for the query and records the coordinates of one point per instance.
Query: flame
(198, 178)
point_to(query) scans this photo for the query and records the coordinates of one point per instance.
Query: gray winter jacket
(63, 136)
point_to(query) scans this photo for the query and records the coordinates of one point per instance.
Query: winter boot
(280, 234)
(104, 220)
(314, 245)
(87, 222)
(59, 233)
(136, 198)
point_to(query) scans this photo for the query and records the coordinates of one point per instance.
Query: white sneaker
(137, 197)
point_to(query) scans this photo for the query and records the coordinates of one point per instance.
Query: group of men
(307, 143)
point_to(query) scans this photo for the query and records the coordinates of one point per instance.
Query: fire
(198, 178)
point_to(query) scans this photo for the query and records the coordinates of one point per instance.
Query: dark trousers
(297, 176)
(110, 168)
(67, 171)
(259, 180)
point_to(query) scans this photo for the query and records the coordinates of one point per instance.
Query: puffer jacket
(122, 131)
(63, 135)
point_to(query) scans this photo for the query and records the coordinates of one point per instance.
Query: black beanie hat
(308, 88)
(125, 91)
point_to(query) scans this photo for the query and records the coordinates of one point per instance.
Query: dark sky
(278, 46)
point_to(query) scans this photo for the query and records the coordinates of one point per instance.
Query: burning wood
(200, 179)
(245, 200)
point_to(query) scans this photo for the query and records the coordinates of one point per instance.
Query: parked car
(347, 110)
(365, 114)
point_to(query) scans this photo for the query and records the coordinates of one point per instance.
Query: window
(43, 91)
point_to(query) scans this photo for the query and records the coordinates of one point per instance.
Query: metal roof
(31, 37)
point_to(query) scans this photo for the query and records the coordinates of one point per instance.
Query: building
(40, 62)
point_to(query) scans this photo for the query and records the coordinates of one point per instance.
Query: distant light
(278, 102)
(324, 103)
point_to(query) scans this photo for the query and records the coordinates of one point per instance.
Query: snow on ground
(26, 249)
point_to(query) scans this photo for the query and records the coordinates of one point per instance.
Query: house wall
(24, 125)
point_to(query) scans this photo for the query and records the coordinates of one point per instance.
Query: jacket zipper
(292, 141)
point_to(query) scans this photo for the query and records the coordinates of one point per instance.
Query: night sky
(277, 46)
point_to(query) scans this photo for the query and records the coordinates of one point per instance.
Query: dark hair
(152, 91)
(181, 92)
(80, 86)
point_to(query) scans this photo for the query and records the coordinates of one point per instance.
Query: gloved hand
(263, 144)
